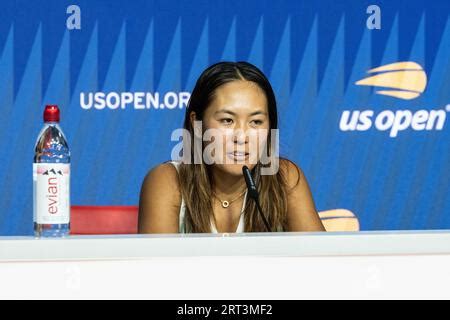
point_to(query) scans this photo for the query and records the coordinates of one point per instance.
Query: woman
(201, 197)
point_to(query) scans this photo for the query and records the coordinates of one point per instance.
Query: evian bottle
(51, 179)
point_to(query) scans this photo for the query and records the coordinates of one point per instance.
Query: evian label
(51, 183)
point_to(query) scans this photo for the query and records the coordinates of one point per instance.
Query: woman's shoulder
(165, 169)
(163, 176)
(291, 172)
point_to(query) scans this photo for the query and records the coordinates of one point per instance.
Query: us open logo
(402, 80)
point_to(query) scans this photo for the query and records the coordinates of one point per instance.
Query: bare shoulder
(291, 172)
(160, 200)
(164, 176)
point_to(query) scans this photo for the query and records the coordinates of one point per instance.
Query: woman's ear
(192, 117)
(197, 127)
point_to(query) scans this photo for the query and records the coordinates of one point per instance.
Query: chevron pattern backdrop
(313, 53)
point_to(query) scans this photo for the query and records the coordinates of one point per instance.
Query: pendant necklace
(226, 203)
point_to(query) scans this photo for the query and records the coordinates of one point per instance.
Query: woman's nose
(240, 135)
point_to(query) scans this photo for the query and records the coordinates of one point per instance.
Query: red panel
(103, 219)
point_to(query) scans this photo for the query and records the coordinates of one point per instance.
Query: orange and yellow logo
(404, 80)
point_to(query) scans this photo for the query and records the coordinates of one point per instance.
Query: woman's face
(238, 108)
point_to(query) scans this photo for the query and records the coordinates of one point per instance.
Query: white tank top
(182, 223)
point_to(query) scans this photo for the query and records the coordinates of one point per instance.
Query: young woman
(200, 197)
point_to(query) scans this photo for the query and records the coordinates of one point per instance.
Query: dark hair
(221, 73)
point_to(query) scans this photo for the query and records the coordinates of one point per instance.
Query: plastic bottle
(51, 178)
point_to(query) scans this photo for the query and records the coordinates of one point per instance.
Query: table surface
(285, 244)
(372, 265)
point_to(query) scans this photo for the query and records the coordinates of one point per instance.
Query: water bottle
(51, 179)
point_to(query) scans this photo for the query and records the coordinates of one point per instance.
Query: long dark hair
(195, 179)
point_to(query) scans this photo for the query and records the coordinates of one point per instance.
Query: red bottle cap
(51, 113)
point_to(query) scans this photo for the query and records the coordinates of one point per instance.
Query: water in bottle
(51, 178)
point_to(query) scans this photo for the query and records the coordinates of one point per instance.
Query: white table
(379, 265)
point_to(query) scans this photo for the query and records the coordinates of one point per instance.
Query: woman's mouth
(238, 156)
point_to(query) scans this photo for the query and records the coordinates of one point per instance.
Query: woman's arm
(160, 200)
(302, 214)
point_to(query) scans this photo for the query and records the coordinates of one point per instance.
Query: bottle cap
(51, 113)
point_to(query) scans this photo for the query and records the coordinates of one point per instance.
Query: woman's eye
(257, 122)
(226, 121)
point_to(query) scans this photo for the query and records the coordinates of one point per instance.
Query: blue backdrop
(313, 53)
